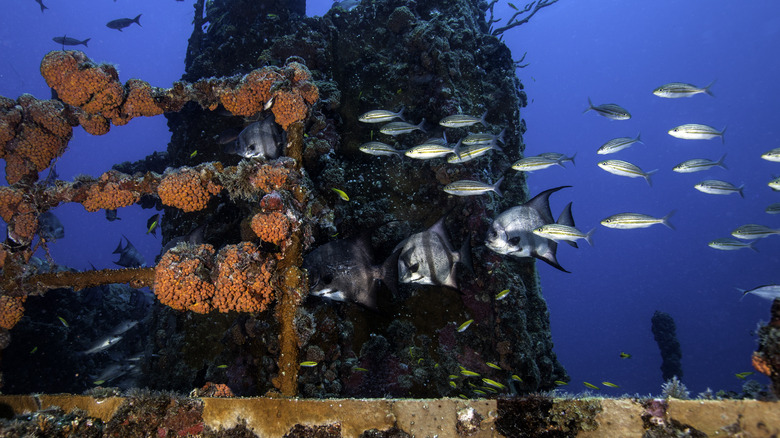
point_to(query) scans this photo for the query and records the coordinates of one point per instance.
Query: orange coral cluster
(80, 82)
(182, 278)
(251, 94)
(187, 189)
(108, 194)
(11, 310)
(291, 103)
(243, 279)
(139, 102)
(211, 389)
(273, 227)
(32, 133)
(20, 215)
(269, 177)
(192, 278)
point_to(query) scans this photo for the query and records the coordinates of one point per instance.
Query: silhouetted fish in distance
(129, 257)
(512, 231)
(111, 216)
(68, 41)
(49, 227)
(428, 257)
(122, 23)
(40, 2)
(344, 270)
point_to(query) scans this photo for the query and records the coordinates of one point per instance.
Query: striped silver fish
(627, 221)
(484, 138)
(678, 89)
(529, 164)
(767, 292)
(624, 168)
(381, 116)
(699, 164)
(773, 208)
(563, 232)
(473, 151)
(753, 231)
(558, 157)
(774, 184)
(427, 151)
(727, 244)
(718, 187)
(773, 155)
(618, 144)
(462, 120)
(467, 187)
(396, 128)
(696, 131)
(379, 149)
(609, 110)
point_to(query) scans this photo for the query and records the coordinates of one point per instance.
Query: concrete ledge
(447, 417)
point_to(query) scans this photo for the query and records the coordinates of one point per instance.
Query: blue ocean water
(611, 51)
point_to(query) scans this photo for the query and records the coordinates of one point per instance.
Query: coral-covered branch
(135, 277)
(532, 7)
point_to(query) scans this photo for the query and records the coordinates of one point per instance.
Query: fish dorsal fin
(541, 203)
(439, 230)
(129, 245)
(549, 257)
(119, 248)
(566, 218)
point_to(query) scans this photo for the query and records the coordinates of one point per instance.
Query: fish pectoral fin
(549, 258)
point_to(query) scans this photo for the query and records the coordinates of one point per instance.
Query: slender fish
(529, 164)
(624, 168)
(467, 187)
(626, 221)
(679, 89)
(618, 144)
(727, 244)
(558, 156)
(753, 231)
(699, 164)
(695, 131)
(473, 151)
(484, 138)
(396, 128)
(563, 232)
(609, 110)
(379, 149)
(462, 120)
(381, 116)
(773, 155)
(718, 187)
(768, 292)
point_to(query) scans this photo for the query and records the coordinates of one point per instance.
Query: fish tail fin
(496, 187)
(560, 162)
(665, 219)
(752, 245)
(638, 138)
(482, 119)
(707, 88)
(590, 105)
(494, 144)
(722, 136)
(721, 163)
(572, 159)
(647, 177)
(400, 113)
(588, 237)
(740, 191)
(85, 42)
(137, 19)
(500, 136)
(421, 126)
(744, 292)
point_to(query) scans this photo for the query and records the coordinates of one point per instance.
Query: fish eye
(492, 234)
(327, 279)
(414, 267)
(515, 241)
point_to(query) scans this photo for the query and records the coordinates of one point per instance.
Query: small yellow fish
(341, 194)
(453, 377)
(62, 320)
(34, 350)
(744, 375)
(272, 16)
(610, 384)
(625, 355)
(99, 382)
(468, 373)
(453, 384)
(489, 389)
(503, 294)
(480, 392)
(362, 370)
(517, 378)
(493, 383)
(308, 363)
(590, 385)
(221, 366)
(419, 361)
(492, 365)
(560, 383)
(194, 153)
(465, 325)
(463, 396)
